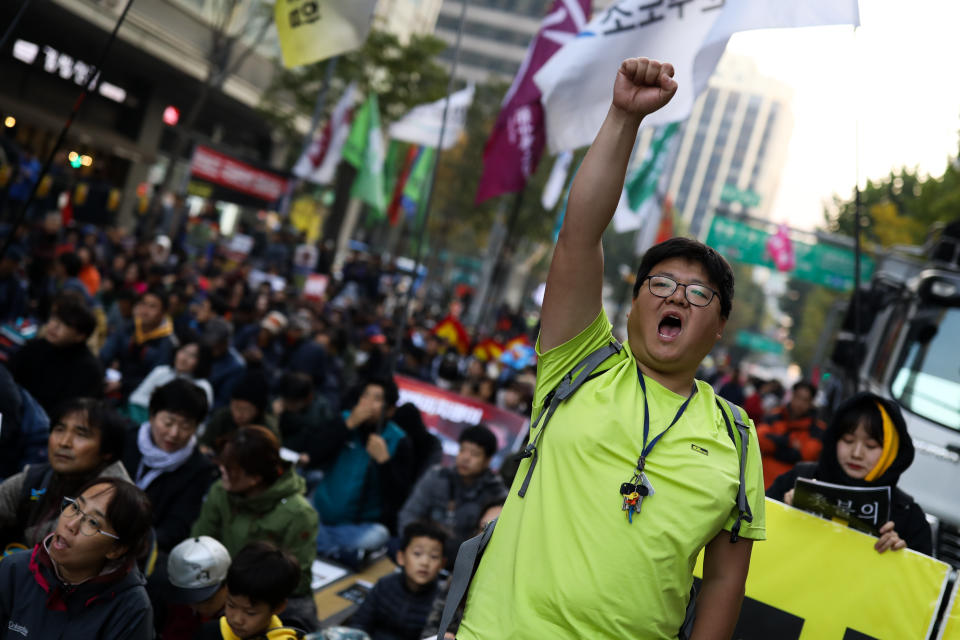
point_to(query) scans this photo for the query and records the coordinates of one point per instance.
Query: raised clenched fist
(643, 86)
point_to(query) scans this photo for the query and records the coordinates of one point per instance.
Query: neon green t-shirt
(563, 562)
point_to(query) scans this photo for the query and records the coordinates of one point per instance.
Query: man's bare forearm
(718, 607)
(599, 182)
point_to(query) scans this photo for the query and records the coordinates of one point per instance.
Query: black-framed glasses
(89, 525)
(699, 295)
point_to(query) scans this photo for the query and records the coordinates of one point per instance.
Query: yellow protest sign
(813, 579)
(305, 216)
(950, 629)
(313, 30)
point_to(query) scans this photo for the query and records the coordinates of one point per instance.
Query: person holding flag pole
(573, 555)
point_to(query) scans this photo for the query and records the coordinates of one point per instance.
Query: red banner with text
(447, 414)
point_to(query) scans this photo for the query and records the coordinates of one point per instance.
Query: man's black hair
(158, 293)
(805, 384)
(263, 573)
(97, 415)
(481, 436)
(129, 512)
(182, 398)
(72, 310)
(390, 392)
(254, 388)
(717, 268)
(123, 293)
(218, 304)
(71, 264)
(295, 385)
(422, 529)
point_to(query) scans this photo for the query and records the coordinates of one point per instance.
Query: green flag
(364, 150)
(643, 183)
(418, 184)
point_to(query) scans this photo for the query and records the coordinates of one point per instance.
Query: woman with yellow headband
(867, 445)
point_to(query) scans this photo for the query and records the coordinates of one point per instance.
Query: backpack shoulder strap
(36, 481)
(741, 438)
(468, 557)
(574, 379)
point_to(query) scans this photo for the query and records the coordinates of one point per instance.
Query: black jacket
(392, 612)
(176, 495)
(909, 520)
(34, 603)
(54, 375)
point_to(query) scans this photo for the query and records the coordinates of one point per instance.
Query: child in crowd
(197, 593)
(398, 606)
(259, 581)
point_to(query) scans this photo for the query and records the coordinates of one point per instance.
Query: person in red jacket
(791, 433)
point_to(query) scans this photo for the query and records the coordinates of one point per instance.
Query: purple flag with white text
(513, 150)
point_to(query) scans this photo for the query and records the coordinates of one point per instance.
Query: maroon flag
(514, 147)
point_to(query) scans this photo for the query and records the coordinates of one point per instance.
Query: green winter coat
(280, 515)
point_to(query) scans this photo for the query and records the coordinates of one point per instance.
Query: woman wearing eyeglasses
(82, 581)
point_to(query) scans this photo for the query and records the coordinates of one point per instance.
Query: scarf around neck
(154, 460)
(164, 329)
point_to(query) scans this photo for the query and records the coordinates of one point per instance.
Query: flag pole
(308, 138)
(418, 253)
(857, 248)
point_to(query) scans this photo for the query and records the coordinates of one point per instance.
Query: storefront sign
(67, 67)
(223, 170)
(447, 414)
(813, 579)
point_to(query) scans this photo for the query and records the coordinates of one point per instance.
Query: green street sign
(758, 342)
(746, 197)
(821, 264)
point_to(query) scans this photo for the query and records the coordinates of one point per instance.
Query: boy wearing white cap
(197, 592)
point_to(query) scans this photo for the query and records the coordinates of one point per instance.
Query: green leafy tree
(402, 76)
(899, 208)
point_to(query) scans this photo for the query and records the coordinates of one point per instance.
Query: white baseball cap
(196, 568)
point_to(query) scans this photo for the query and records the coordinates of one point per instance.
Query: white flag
(558, 177)
(577, 82)
(422, 124)
(319, 162)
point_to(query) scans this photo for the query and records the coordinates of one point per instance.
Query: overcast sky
(897, 80)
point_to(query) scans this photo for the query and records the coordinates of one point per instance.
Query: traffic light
(77, 160)
(171, 115)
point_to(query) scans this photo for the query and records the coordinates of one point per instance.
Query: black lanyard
(647, 448)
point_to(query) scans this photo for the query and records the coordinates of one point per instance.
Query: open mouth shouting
(670, 327)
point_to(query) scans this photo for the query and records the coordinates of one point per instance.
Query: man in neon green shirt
(579, 555)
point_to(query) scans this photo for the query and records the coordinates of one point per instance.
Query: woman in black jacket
(82, 581)
(163, 459)
(867, 445)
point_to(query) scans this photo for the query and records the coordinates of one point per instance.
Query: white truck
(910, 352)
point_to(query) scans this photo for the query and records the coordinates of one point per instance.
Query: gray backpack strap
(743, 507)
(468, 557)
(570, 383)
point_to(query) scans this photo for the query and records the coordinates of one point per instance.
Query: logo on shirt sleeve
(699, 449)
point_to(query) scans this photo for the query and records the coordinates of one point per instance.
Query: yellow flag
(313, 30)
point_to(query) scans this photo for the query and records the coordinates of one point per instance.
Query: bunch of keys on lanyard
(639, 487)
(636, 490)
